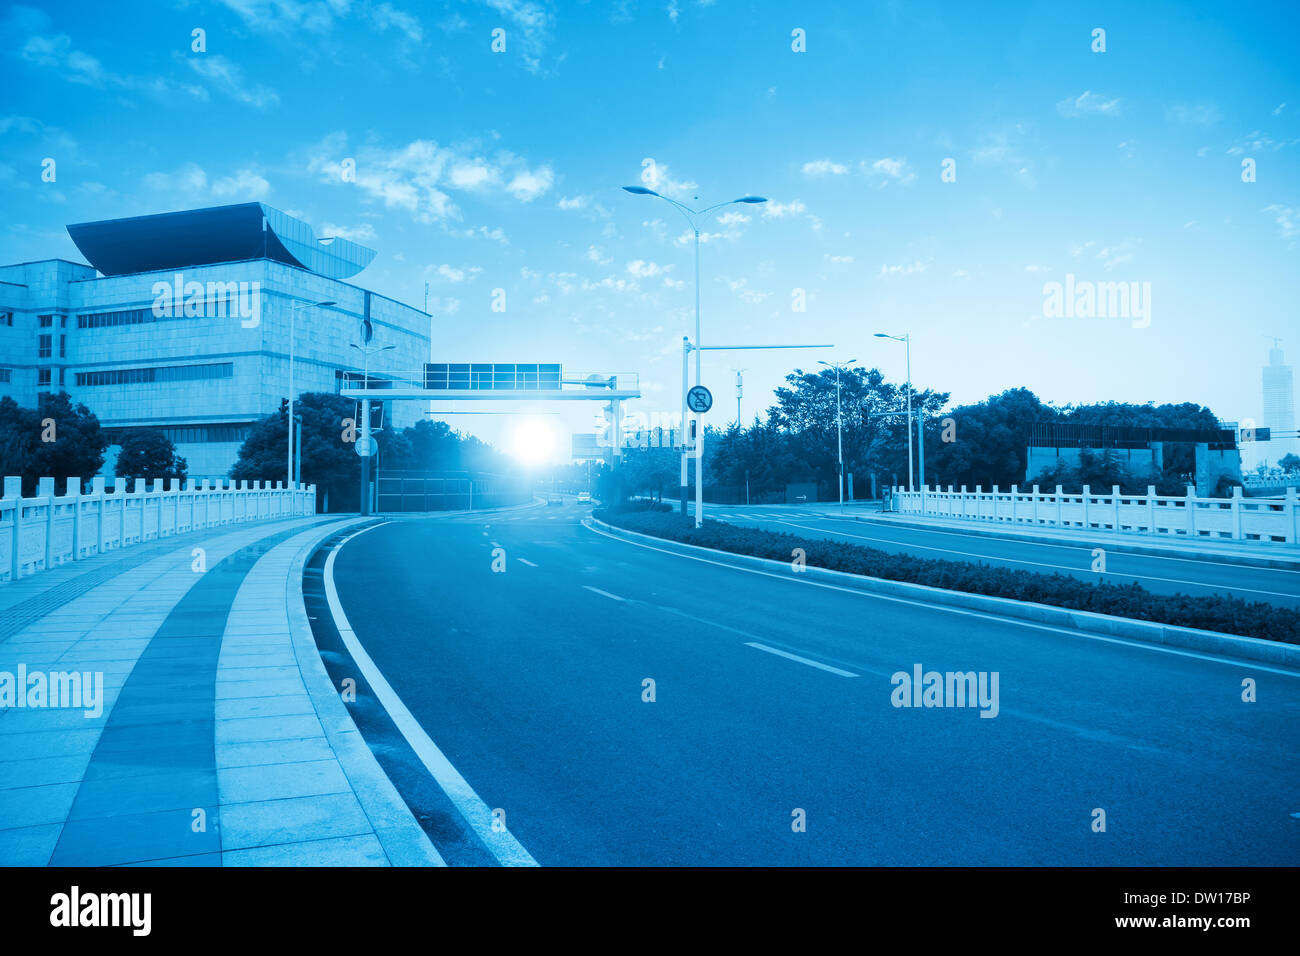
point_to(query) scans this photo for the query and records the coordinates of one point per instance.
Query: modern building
(181, 321)
(1208, 455)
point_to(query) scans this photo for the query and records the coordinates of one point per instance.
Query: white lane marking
(1063, 545)
(602, 593)
(802, 660)
(527, 562)
(1041, 564)
(964, 612)
(477, 814)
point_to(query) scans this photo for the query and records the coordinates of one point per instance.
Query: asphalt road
(1161, 575)
(531, 682)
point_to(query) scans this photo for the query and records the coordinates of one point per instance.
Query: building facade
(182, 322)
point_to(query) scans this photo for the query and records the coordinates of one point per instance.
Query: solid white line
(1041, 564)
(477, 814)
(602, 593)
(527, 562)
(802, 660)
(964, 612)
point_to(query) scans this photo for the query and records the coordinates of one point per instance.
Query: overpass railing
(1238, 517)
(48, 530)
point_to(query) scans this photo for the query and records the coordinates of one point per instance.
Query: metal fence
(1249, 519)
(49, 530)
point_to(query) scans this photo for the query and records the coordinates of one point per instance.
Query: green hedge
(1214, 613)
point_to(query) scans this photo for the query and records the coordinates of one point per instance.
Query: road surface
(773, 700)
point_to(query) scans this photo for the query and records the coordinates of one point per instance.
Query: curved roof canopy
(195, 237)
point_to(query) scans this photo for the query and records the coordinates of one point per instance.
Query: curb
(1249, 560)
(403, 840)
(1088, 622)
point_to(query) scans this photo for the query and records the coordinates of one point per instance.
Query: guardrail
(1249, 519)
(49, 530)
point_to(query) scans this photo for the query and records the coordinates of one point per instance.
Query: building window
(43, 378)
(6, 375)
(63, 346)
(47, 321)
(46, 347)
(170, 373)
(7, 319)
(191, 434)
(62, 375)
(214, 307)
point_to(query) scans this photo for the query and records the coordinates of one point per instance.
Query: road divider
(1066, 620)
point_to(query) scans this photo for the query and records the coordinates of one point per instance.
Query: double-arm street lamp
(839, 420)
(907, 340)
(291, 477)
(693, 218)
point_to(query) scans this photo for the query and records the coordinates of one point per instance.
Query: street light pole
(692, 217)
(907, 341)
(364, 497)
(291, 477)
(839, 422)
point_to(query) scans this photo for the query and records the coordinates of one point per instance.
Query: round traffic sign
(699, 399)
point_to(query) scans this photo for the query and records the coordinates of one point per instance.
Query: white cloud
(645, 270)
(577, 202)
(229, 79)
(597, 255)
(888, 170)
(779, 210)
(1198, 114)
(454, 274)
(824, 167)
(656, 176)
(732, 218)
(245, 185)
(527, 184)
(1287, 219)
(839, 259)
(362, 233)
(190, 178)
(904, 269)
(1089, 103)
(417, 177)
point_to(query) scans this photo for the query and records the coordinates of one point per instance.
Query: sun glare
(533, 443)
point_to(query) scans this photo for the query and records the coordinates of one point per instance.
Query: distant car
(584, 497)
(555, 499)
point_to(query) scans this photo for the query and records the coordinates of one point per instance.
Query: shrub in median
(1213, 613)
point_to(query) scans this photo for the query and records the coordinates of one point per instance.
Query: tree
(1289, 462)
(329, 458)
(991, 441)
(57, 440)
(148, 453)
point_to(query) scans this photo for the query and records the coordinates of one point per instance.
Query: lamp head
(640, 191)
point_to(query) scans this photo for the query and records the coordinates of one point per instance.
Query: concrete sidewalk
(221, 739)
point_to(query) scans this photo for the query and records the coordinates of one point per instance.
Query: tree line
(983, 443)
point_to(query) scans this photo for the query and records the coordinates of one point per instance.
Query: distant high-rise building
(1278, 401)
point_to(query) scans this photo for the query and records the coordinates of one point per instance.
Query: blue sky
(478, 170)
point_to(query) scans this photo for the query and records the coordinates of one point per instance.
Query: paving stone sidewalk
(221, 740)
